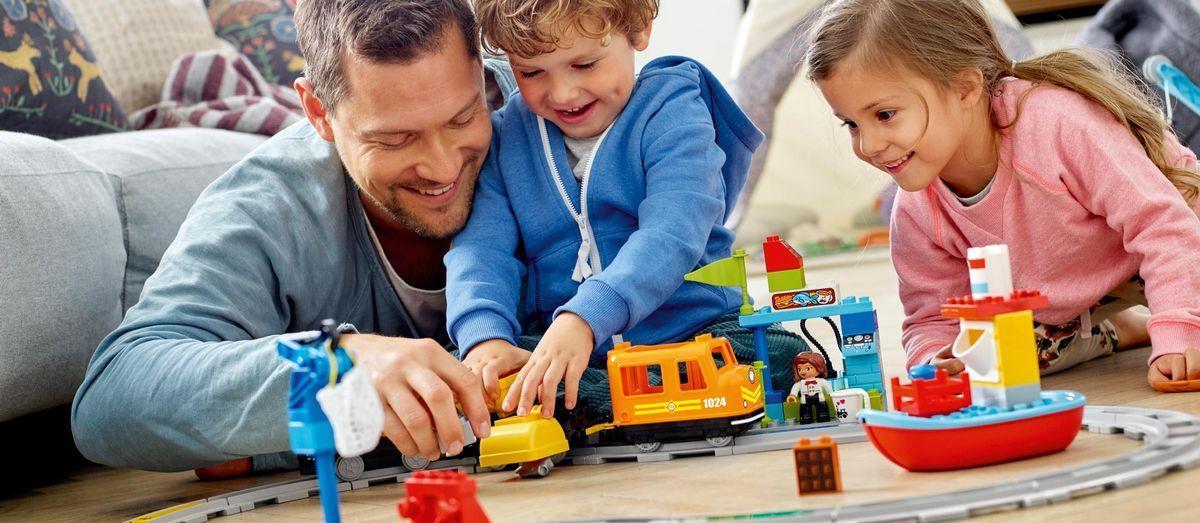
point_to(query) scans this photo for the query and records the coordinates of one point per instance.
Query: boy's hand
(562, 355)
(1175, 367)
(944, 359)
(492, 359)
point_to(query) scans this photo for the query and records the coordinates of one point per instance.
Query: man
(345, 216)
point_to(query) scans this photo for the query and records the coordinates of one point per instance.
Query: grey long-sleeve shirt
(277, 244)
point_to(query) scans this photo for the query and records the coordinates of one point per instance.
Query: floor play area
(1135, 457)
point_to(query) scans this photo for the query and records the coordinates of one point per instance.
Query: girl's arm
(1108, 172)
(928, 274)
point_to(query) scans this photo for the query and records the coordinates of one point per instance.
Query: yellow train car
(703, 392)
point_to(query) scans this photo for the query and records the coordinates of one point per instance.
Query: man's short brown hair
(378, 31)
(533, 27)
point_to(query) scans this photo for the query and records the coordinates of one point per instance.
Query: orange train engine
(682, 391)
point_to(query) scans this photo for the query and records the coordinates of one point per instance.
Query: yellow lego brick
(520, 439)
(1016, 349)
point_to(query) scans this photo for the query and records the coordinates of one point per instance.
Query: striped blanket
(212, 90)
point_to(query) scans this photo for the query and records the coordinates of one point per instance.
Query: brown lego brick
(817, 468)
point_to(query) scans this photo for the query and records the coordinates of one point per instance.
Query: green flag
(727, 272)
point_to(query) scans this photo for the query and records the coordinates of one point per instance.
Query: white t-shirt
(427, 308)
(578, 152)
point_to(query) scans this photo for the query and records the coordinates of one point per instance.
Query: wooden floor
(699, 486)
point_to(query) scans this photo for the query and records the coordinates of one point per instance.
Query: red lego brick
(817, 466)
(780, 256)
(969, 308)
(441, 496)
(925, 398)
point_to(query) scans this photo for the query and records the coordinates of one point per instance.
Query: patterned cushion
(263, 31)
(136, 41)
(50, 84)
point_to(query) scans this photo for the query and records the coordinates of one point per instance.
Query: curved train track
(1171, 442)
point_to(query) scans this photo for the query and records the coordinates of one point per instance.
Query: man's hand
(562, 355)
(944, 359)
(492, 359)
(1175, 367)
(418, 383)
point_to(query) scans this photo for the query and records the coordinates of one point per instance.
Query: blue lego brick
(869, 367)
(859, 338)
(850, 305)
(861, 370)
(775, 411)
(859, 350)
(859, 323)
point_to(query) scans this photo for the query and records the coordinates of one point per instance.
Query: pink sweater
(1081, 208)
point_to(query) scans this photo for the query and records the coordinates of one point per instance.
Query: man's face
(413, 136)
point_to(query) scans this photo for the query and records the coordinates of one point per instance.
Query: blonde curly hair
(533, 27)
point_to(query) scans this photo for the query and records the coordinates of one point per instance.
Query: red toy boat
(976, 436)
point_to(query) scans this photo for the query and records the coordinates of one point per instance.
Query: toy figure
(811, 389)
(317, 362)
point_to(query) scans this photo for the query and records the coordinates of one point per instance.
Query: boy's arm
(1108, 171)
(685, 198)
(927, 275)
(483, 274)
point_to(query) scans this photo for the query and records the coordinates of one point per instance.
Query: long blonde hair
(940, 39)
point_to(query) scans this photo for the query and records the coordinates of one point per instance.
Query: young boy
(657, 159)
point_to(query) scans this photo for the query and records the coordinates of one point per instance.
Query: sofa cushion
(159, 174)
(50, 84)
(61, 267)
(264, 32)
(137, 41)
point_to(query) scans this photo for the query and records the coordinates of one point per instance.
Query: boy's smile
(583, 84)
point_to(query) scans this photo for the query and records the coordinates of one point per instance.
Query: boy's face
(582, 85)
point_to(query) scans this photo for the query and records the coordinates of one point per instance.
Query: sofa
(85, 221)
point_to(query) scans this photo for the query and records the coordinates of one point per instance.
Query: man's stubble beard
(452, 222)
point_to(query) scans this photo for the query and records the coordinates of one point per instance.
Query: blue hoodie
(655, 198)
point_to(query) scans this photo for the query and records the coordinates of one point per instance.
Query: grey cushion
(159, 174)
(61, 267)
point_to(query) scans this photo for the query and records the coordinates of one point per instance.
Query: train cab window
(690, 377)
(718, 357)
(636, 380)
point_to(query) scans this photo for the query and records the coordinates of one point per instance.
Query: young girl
(1060, 157)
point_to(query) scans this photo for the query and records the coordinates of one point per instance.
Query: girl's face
(902, 124)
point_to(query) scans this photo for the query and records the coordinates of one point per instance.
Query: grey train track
(1171, 442)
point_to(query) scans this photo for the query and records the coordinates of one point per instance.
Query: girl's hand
(944, 359)
(561, 356)
(1175, 367)
(492, 359)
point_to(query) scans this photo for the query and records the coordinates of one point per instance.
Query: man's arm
(191, 377)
